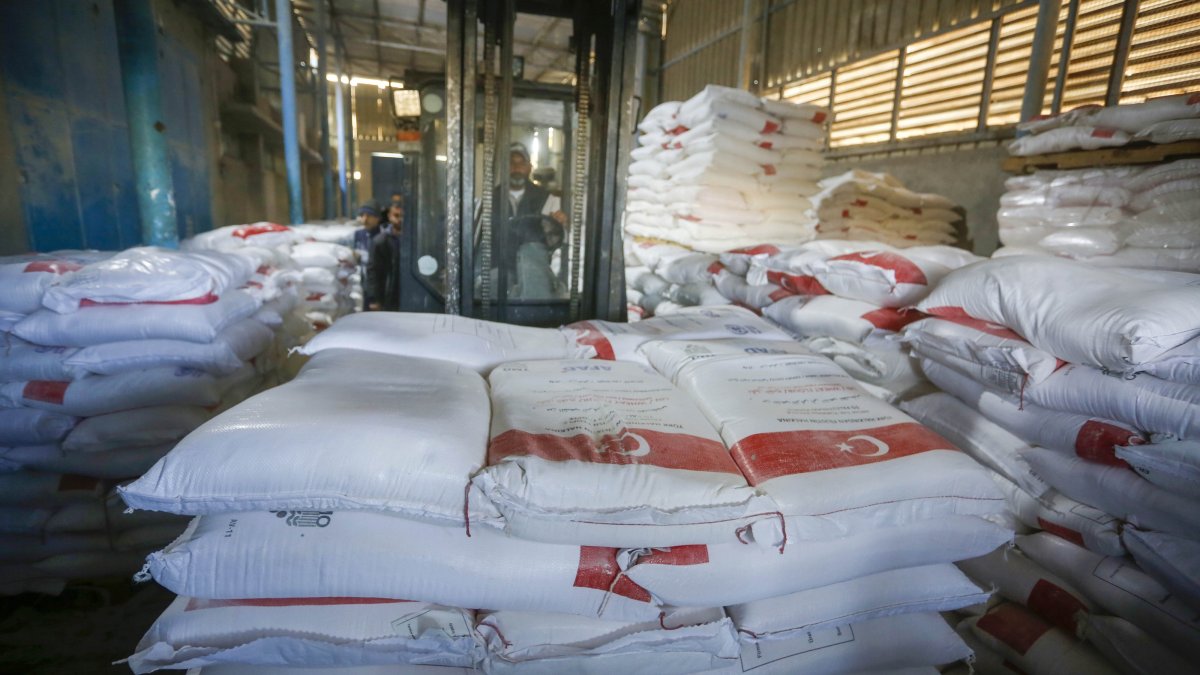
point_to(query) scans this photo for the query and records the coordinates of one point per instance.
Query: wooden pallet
(1085, 159)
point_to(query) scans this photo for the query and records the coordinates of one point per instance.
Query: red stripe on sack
(770, 127)
(768, 145)
(1061, 531)
(780, 294)
(692, 554)
(905, 270)
(73, 481)
(677, 129)
(261, 228)
(1193, 99)
(845, 213)
(630, 447)
(598, 569)
(263, 270)
(200, 603)
(314, 296)
(761, 249)
(206, 299)
(694, 219)
(1052, 602)
(752, 308)
(996, 329)
(950, 312)
(1097, 442)
(859, 202)
(715, 268)
(818, 117)
(769, 169)
(589, 335)
(52, 266)
(784, 453)
(891, 318)
(1103, 133)
(799, 284)
(1015, 627)
(46, 391)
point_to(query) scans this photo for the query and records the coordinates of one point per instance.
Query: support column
(339, 102)
(138, 41)
(1039, 58)
(322, 95)
(291, 134)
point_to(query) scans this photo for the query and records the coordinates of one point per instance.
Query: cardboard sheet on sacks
(608, 454)
(700, 575)
(307, 632)
(353, 430)
(479, 345)
(835, 458)
(1097, 317)
(620, 341)
(305, 554)
(929, 588)
(892, 645)
(681, 642)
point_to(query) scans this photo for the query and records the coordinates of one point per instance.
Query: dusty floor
(80, 632)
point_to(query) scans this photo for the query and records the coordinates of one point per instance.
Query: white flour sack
(668, 357)
(619, 341)
(353, 430)
(25, 282)
(681, 642)
(892, 644)
(971, 432)
(1082, 524)
(21, 360)
(1172, 561)
(1034, 645)
(1017, 578)
(105, 394)
(884, 278)
(609, 454)
(137, 275)
(479, 345)
(120, 463)
(305, 633)
(1094, 316)
(1089, 437)
(834, 458)
(234, 345)
(1170, 464)
(836, 317)
(1181, 364)
(699, 575)
(118, 323)
(47, 489)
(986, 343)
(1120, 588)
(930, 588)
(1132, 649)
(29, 426)
(1118, 491)
(133, 428)
(357, 554)
(879, 360)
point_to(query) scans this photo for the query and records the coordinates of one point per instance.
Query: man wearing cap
(368, 217)
(526, 198)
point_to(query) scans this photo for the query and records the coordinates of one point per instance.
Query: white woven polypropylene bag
(105, 394)
(233, 346)
(353, 430)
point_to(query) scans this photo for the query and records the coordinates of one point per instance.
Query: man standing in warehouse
(385, 268)
(368, 218)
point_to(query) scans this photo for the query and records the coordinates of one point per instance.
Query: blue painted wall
(66, 113)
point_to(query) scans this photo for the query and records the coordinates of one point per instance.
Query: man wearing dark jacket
(386, 265)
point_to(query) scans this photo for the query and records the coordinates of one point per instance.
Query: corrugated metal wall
(802, 37)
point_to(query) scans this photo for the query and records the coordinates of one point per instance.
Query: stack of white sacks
(861, 205)
(1168, 119)
(1126, 216)
(726, 169)
(690, 493)
(1081, 389)
(111, 364)
(660, 279)
(315, 259)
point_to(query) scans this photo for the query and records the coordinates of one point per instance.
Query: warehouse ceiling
(386, 38)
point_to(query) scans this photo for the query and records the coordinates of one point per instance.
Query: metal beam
(291, 131)
(340, 114)
(322, 96)
(138, 48)
(1039, 58)
(1116, 78)
(406, 47)
(743, 65)
(1060, 79)
(985, 96)
(378, 50)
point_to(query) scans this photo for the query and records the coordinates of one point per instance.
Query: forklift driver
(526, 198)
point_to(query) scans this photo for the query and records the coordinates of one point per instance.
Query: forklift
(464, 252)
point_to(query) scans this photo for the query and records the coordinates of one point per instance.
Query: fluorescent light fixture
(397, 155)
(356, 80)
(440, 158)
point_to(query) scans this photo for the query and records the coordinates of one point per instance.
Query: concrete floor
(80, 632)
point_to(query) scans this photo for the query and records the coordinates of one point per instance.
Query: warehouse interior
(435, 337)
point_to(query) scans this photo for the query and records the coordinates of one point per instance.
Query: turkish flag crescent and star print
(771, 455)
